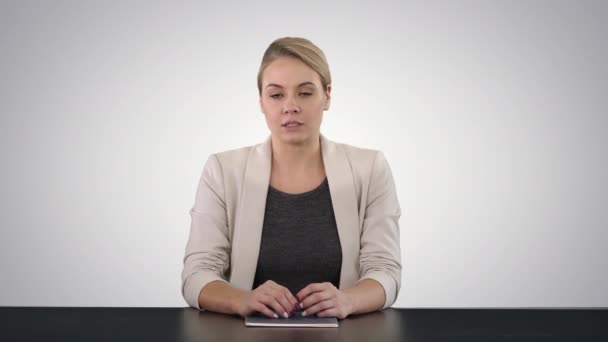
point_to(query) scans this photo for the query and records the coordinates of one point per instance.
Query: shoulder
(225, 163)
(234, 156)
(358, 153)
(363, 160)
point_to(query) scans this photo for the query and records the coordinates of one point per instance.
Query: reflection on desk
(188, 324)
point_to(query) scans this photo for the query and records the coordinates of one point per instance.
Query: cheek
(270, 109)
(272, 115)
(319, 103)
(272, 106)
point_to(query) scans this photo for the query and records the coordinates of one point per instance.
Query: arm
(270, 298)
(219, 296)
(380, 255)
(207, 259)
(366, 296)
(325, 300)
(207, 255)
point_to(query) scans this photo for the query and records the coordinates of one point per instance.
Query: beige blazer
(228, 215)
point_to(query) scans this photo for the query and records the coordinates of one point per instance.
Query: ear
(328, 96)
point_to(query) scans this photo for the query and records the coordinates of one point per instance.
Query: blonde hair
(300, 48)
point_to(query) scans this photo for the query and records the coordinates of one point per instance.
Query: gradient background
(492, 115)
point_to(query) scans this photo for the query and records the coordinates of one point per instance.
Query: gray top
(300, 243)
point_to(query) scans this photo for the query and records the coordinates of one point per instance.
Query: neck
(295, 158)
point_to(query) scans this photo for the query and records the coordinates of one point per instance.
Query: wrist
(351, 302)
(235, 303)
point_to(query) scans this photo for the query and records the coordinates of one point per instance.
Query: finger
(321, 306)
(272, 303)
(281, 294)
(259, 307)
(280, 297)
(270, 283)
(331, 312)
(315, 298)
(310, 288)
(289, 298)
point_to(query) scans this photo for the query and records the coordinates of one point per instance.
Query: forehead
(289, 72)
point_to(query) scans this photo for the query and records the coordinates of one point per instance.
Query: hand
(325, 300)
(270, 299)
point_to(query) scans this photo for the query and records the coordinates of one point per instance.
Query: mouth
(292, 124)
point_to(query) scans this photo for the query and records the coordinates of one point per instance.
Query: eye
(306, 94)
(276, 96)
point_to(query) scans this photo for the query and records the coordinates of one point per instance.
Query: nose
(291, 106)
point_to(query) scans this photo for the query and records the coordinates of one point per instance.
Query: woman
(298, 221)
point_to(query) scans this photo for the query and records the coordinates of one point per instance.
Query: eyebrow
(299, 85)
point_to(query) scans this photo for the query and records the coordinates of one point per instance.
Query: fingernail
(303, 313)
(276, 316)
(285, 314)
(301, 306)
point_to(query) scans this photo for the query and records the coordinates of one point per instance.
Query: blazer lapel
(250, 220)
(252, 205)
(344, 202)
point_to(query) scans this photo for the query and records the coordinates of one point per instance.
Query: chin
(294, 138)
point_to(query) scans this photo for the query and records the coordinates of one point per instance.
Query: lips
(292, 124)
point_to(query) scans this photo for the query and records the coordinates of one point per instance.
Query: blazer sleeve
(380, 254)
(207, 256)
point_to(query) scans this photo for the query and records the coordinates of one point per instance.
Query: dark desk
(186, 324)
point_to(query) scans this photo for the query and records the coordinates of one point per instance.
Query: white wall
(492, 115)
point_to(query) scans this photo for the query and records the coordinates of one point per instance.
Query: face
(292, 93)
